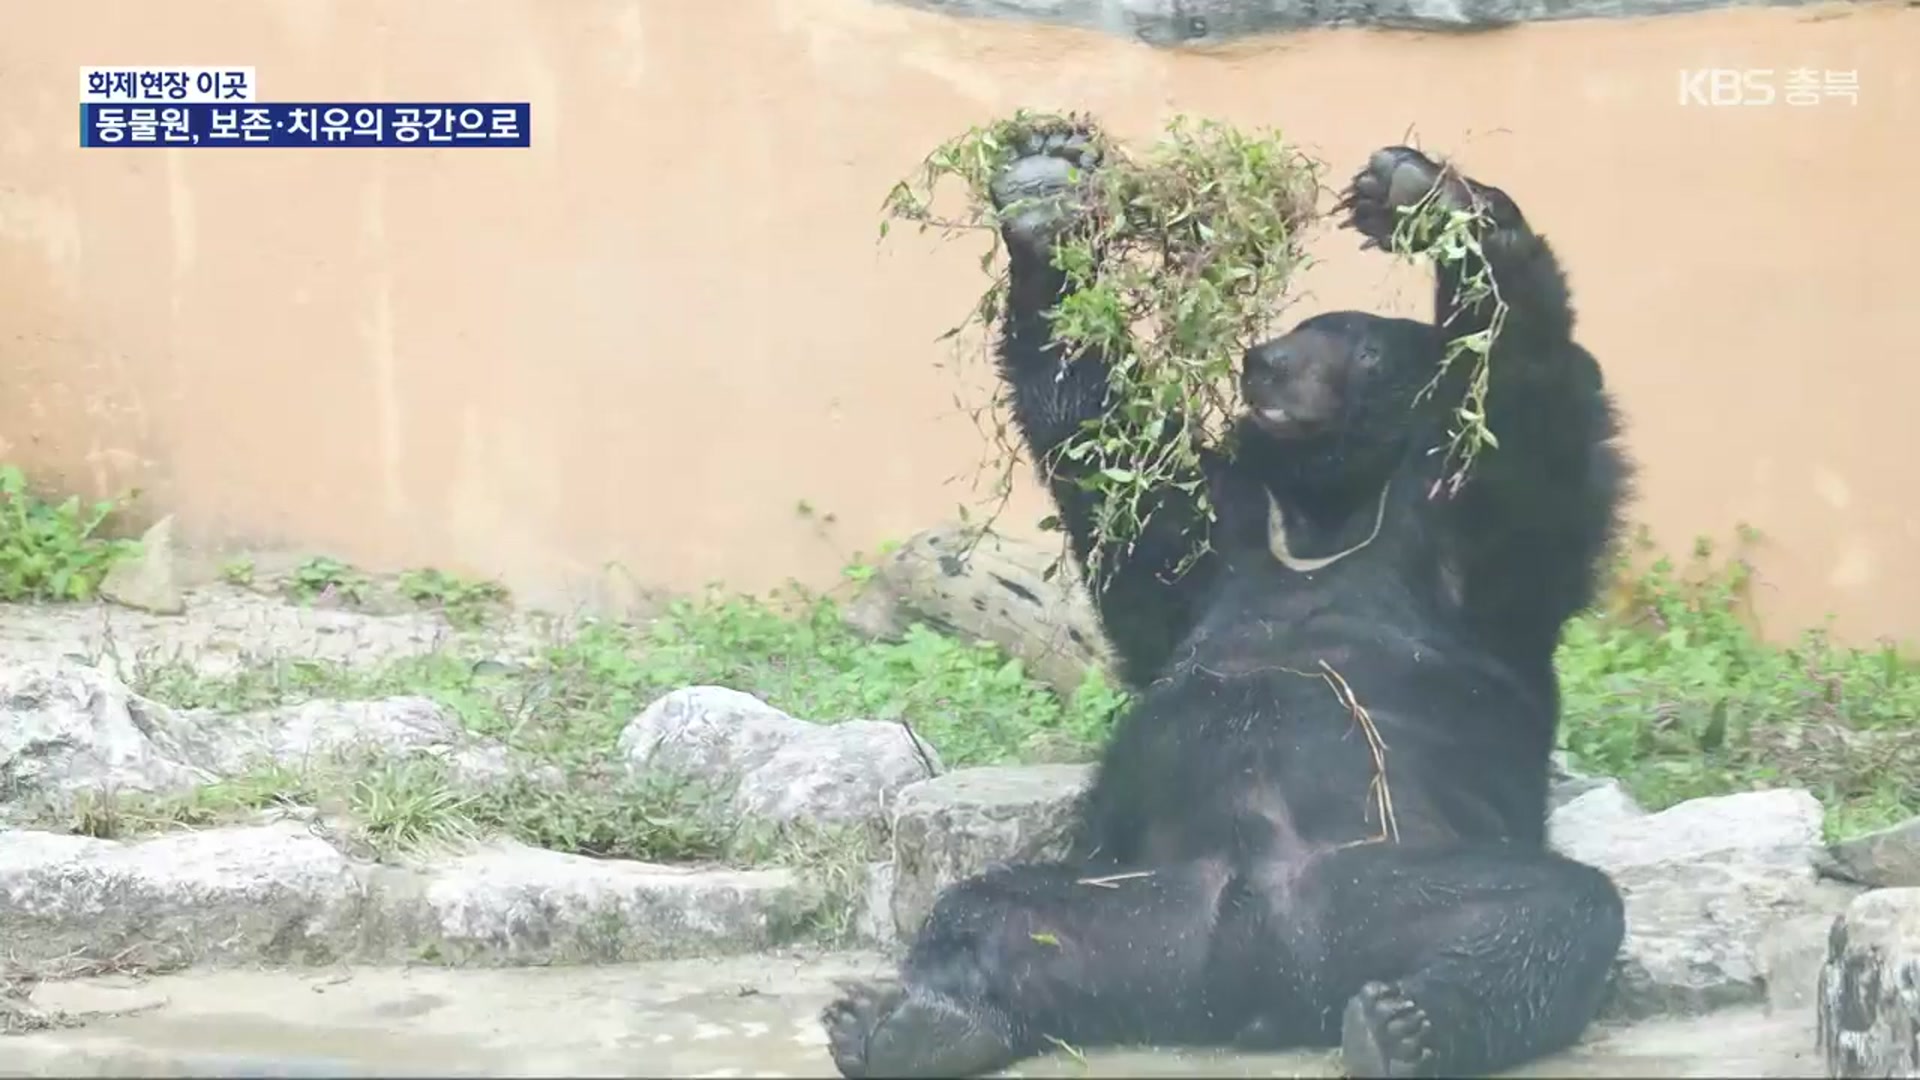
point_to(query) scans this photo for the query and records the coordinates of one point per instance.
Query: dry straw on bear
(1181, 260)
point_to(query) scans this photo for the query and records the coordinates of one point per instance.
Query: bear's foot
(1385, 1034)
(878, 1030)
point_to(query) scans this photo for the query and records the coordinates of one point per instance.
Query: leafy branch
(1179, 259)
(1451, 237)
(1178, 262)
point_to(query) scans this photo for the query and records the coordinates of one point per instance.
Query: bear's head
(1332, 404)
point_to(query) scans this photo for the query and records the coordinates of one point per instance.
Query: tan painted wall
(647, 338)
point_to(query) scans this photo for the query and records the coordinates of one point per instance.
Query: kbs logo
(1722, 87)
(1727, 86)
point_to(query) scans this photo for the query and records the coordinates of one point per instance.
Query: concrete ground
(743, 1017)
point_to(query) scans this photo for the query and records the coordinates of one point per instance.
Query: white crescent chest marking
(1283, 553)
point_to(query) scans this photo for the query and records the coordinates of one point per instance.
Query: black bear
(1351, 635)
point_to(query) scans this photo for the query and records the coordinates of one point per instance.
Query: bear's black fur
(1233, 881)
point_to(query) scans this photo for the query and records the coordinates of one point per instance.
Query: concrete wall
(650, 336)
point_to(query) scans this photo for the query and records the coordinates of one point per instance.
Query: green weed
(409, 803)
(322, 577)
(53, 551)
(111, 815)
(1672, 689)
(465, 603)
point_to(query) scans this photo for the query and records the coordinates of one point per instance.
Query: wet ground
(746, 1017)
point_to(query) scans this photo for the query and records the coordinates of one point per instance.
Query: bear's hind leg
(1462, 961)
(1021, 959)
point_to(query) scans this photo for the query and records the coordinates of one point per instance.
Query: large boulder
(777, 768)
(147, 580)
(314, 733)
(1592, 813)
(279, 893)
(1885, 858)
(1566, 783)
(510, 904)
(708, 731)
(1708, 883)
(1869, 993)
(959, 824)
(273, 892)
(66, 727)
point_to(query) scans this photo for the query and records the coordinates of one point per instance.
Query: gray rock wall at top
(1182, 22)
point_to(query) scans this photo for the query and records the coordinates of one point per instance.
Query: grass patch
(53, 551)
(411, 803)
(792, 649)
(1671, 689)
(113, 815)
(389, 808)
(324, 579)
(465, 603)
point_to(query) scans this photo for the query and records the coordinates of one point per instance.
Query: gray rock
(1562, 792)
(1887, 858)
(273, 892)
(707, 731)
(234, 628)
(1592, 812)
(279, 894)
(1193, 22)
(1705, 882)
(839, 774)
(776, 767)
(147, 581)
(959, 824)
(510, 904)
(1790, 960)
(1870, 987)
(1566, 783)
(66, 728)
(1779, 827)
(873, 918)
(316, 733)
